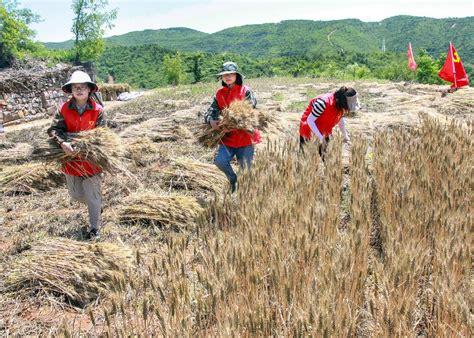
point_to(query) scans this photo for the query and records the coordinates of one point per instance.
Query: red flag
(453, 71)
(411, 59)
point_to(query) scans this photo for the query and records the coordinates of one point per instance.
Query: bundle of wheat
(142, 151)
(239, 115)
(174, 134)
(110, 91)
(79, 273)
(18, 153)
(184, 173)
(159, 130)
(100, 146)
(30, 178)
(171, 212)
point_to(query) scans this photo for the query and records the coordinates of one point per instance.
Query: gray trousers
(87, 190)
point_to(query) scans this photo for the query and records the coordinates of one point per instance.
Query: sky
(214, 15)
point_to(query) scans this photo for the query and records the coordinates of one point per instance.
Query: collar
(72, 104)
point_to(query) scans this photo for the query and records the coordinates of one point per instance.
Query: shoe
(93, 234)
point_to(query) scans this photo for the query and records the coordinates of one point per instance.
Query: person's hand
(67, 148)
(215, 124)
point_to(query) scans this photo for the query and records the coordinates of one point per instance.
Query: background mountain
(303, 37)
(344, 49)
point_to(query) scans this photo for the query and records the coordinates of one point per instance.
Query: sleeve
(342, 127)
(57, 130)
(250, 96)
(212, 112)
(312, 124)
(101, 119)
(317, 108)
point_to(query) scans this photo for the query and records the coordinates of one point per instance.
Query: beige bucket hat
(79, 77)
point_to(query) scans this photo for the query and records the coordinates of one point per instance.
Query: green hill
(172, 38)
(344, 49)
(303, 37)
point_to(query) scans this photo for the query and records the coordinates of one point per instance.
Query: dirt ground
(385, 105)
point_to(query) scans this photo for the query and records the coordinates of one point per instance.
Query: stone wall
(33, 93)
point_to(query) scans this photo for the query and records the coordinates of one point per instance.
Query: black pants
(321, 148)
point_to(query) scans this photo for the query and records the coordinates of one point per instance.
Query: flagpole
(452, 61)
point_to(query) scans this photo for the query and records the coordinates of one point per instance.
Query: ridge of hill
(303, 37)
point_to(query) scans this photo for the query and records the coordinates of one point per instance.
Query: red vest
(235, 138)
(76, 123)
(326, 121)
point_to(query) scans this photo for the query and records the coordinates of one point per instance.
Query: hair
(341, 96)
(239, 81)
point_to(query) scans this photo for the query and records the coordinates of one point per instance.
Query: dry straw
(30, 178)
(159, 130)
(79, 273)
(142, 151)
(99, 146)
(239, 115)
(171, 212)
(187, 174)
(18, 153)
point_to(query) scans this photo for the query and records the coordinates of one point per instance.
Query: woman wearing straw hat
(326, 111)
(80, 113)
(236, 143)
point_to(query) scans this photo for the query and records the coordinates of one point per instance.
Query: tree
(197, 65)
(89, 25)
(173, 68)
(427, 70)
(15, 35)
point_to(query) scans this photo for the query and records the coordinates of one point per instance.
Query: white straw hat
(79, 77)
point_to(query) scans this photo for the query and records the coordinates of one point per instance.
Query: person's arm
(101, 119)
(345, 134)
(317, 108)
(57, 131)
(212, 113)
(250, 96)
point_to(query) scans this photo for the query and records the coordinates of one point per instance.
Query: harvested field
(372, 242)
(79, 273)
(173, 212)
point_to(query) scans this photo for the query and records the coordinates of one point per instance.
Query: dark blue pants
(226, 154)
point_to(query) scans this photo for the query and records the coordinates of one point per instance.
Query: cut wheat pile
(159, 130)
(143, 151)
(18, 153)
(30, 178)
(100, 146)
(174, 212)
(188, 174)
(79, 273)
(239, 115)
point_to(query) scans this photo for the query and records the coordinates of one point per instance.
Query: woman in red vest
(326, 111)
(80, 113)
(239, 142)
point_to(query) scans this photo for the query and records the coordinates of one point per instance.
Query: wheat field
(375, 241)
